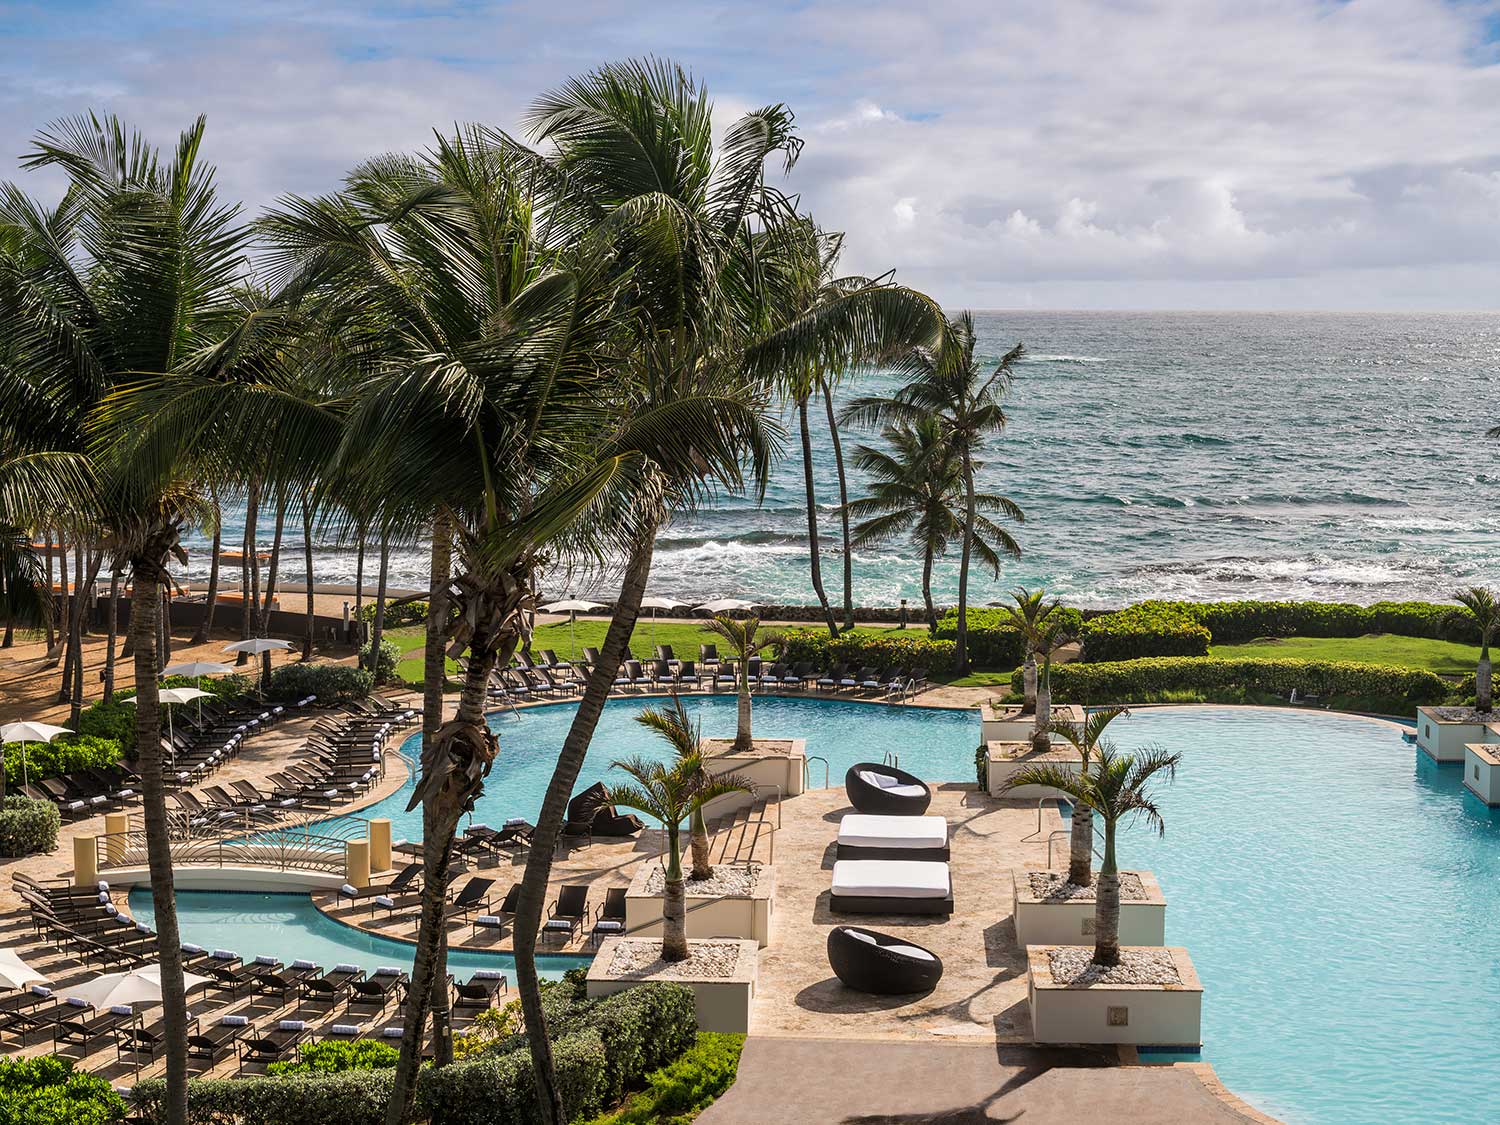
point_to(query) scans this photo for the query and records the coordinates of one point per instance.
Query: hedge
(1236, 622)
(681, 1088)
(1137, 681)
(914, 652)
(333, 1055)
(995, 643)
(1146, 629)
(64, 754)
(28, 826)
(407, 613)
(350, 1097)
(114, 719)
(390, 656)
(491, 1090)
(46, 1090)
(331, 683)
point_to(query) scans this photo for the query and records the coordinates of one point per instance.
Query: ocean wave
(1043, 357)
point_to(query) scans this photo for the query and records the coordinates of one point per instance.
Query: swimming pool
(1339, 894)
(289, 927)
(941, 740)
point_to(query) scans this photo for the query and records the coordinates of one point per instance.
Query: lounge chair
(611, 917)
(138, 1041)
(332, 984)
(567, 914)
(219, 1038)
(728, 675)
(829, 681)
(663, 673)
(495, 918)
(590, 814)
(687, 673)
(869, 961)
(636, 675)
(275, 1044)
(890, 886)
(866, 836)
(708, 656)
(469, 899)
(379, 987)
(84, 1030)
(480, 990)
(886, 790)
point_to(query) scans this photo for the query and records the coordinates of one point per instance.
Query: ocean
(1177, 455)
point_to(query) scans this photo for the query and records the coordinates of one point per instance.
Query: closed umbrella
(25, 732)
(139, 986)
(572, 607)
(654, 602)
(15, 973)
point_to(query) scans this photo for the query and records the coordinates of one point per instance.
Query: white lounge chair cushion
(879, 780)
(292, 1025)
(488, 974)
(891, 878)
(609, 926)
(234, 1021)
(345, 967)
(911, 951)
(344, 1029)
(866, 830)
(386, 901)
(121, 1010)
(392, 1032)
(859, 936)
(487, 920)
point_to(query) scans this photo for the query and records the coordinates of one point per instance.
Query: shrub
(915, 653)
(47, 1091)
(350, 1097)
(28, 826)
(643, 1028)
(1366, 686)
(1236, 622)
(407, 613)
(491, 1090)
(680, 1089)
(1146, 629)
(994, 643)
(111, 719)
(331, 683)
(64, 754)
(390, 656)
(331, 1056)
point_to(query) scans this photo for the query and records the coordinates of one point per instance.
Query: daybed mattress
(890, 878)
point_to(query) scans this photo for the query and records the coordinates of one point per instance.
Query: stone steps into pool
(735, 837)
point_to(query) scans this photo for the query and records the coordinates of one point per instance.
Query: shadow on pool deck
(857, 1082)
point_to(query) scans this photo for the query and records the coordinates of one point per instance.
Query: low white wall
(740, 916)
(1138, 1014)
(1011, 726)
(1445, 741)
(1006, 758)
(768, 770)
(259, 879)
(721, 1005)
(1071, 922)
(1482, 773)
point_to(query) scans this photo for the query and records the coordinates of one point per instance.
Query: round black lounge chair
(886, 790)
(868, 961)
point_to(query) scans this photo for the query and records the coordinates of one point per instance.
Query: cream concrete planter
(1041, 921)
(1482, 772)
(1443, 732)
(1154, 1015)
(773, 764)
(722, 998)
(708, 916)
(1010, 725)
(1006, 758)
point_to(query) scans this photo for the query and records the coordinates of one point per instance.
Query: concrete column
(85, 861)
(380, 845)
(357, 863)
(116, 824)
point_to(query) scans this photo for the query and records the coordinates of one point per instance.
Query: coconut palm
(1030, 615)
(745, 640)
(1053, 635)
(1085, 737)
(916, 491)
(132, 278)
(673, 792)
(1117, 789)
(948, 384)
(1485, 610)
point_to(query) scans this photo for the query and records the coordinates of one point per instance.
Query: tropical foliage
(1485, 610)
(1147, 629)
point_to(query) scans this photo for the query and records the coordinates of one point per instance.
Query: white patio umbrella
(173, 695)
(572, 607)
(197, 669)
(654, 602)
(262, 647)
(725, 605)
(15, 973)
(25, 732)
(140, 986)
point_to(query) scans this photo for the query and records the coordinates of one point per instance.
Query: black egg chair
(869, 961)
(906, 794)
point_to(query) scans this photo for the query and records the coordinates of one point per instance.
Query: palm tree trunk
(742, 738)
(1107, 905)
(206, 626)
(51, 598)
(249, 570)
(359, 586)
(65, 638)
(961, 638)
(274, 567)
(307, 559)
(164, 653)
(434, 670)
(932, 619)
(80, 606)
(703, 867)
(838, 460)
(111, 632)
(440, 816)
(1081, 846)
(59, 647)
(674, 946)
(1028, 680)
(813, 554)
(146, 578)
(1040, 740)
(554, 808)
(377, 634)
(1483, 681)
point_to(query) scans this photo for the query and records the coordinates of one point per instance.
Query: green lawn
(1446, 658)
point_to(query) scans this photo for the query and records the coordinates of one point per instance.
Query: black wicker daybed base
(874, 904)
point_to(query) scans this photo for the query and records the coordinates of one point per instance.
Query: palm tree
(1085, 737)
(1052, 636)
(674, 792)
(131, 279)
(946, 383)
(1116, 790)
(916, 490)
(1483, 608)
(1030, 615)
(745, 641)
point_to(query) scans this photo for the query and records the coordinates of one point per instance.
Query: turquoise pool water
(1340, 896)
(289, 927)
(941, 741)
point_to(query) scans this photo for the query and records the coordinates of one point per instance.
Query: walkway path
(850, 1082)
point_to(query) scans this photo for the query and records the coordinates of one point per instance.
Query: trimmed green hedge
(26, 827)
(677, 1091)
(912, 651)
(994, 643)
(331, 683)
(499, 1090)
(1144, 681)
(332, 1056)
(64, 754)
(1145, 629)
(1236, 622)
(350, 1097)
(408, 613)
(112, 719)
(46, 1090)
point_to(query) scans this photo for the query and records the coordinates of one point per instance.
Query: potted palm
(1052, 909)
(1029, 615)
(1050, 636)
(745, 640)
(1485, 610)
(721, 972)
(1445, 733)
(1113, 993)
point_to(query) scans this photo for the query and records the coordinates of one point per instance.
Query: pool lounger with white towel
(872, 836)
(891, 886)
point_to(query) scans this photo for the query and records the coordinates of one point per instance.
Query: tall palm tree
(745, 640)
(916, 490)
(1050, 637)
(1116, 790)
(673, 792)
(948, 384)
(1030, 616)
(1485, 610)
(1085, 737)
(131, 279)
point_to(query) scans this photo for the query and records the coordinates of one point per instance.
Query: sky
(1219, 154)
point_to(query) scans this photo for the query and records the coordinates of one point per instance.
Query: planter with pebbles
(1051, 911)
(720, 971)
(1152, 998)
(738, 901)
